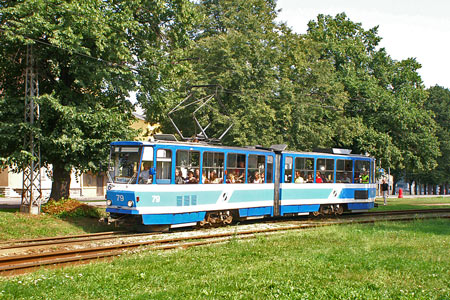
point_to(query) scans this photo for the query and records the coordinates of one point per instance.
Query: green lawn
(412, 203)
(15, 225)
(407, 260)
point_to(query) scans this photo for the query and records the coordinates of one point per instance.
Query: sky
(408, 28)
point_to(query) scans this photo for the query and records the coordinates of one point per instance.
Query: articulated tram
(167, 184)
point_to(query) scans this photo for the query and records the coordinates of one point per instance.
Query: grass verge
(413, 203)
(406, 260)
(16, 225)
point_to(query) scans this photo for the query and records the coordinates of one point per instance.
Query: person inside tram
(213, 177)
(256, 178)
(365, 177)
(145, 177)
(310, 178)
(318, 178)
(204, 178)
(197, 175)
(346, 178)
(298, 177)
(230, 178)
(191, 178)
(240, 172)
(178, 178)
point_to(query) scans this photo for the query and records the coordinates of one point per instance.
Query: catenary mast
(31, 188)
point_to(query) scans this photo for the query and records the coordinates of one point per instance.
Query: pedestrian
(385, 189)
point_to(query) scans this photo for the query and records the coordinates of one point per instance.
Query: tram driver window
(235, 168)
(163, 165)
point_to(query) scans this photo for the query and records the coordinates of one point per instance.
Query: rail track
(120, 243)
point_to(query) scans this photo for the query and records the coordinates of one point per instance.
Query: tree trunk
(434, 189)
(441, 189)
(416, 188)
(60, 183)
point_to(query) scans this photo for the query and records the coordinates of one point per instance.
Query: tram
(169, 184)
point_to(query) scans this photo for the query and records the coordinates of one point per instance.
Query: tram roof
(248, 148)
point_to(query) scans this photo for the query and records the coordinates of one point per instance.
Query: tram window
(256, 168)
(288, 169)
(269, 178)
(188, 164)
(344, 169)
(304, 170)
(146, 173)
(325, 170)
(213, 170)
(236, 168)
(124, 164)
(362, 171)
(163, 165)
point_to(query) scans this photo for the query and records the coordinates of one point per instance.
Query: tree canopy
(331, 87)
(89, 56)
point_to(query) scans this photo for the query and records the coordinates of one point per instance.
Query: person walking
(385, 189)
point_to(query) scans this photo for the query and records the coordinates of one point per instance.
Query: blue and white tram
(175, 184)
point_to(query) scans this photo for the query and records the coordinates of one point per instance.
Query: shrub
(70, 208)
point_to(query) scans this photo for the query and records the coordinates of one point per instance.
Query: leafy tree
(89, 55)
(386, 97)
(439, 102)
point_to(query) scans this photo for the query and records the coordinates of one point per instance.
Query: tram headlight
(130, 203)
(108, 202)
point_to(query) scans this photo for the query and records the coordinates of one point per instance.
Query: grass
(412, 203)
(407, 260)
(15, 225)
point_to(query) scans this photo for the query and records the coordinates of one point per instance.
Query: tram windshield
(124, 163)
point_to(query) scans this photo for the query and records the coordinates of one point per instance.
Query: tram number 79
(155, 198)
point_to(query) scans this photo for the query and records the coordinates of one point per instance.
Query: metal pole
(31, 185)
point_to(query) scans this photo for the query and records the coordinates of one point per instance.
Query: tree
(89, 57)
(438, 102)
(386, 97)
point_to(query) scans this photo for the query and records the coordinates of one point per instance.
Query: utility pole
(31, 187)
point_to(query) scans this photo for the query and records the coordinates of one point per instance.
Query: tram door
(276, 193)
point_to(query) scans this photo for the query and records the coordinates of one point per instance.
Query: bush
(70, 208)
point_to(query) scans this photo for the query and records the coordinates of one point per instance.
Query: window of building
(213, 167)
(304, 170)
(288, 169)
(325, 170)
(235, 168)
(256, 168)
(188, 165)
(344, 171)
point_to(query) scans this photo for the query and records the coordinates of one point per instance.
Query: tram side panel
(178, 204)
